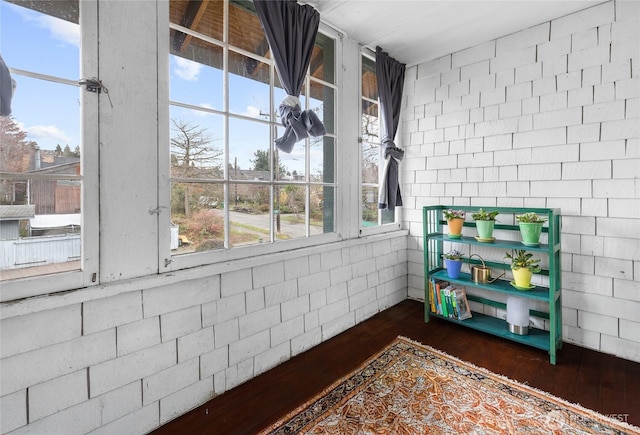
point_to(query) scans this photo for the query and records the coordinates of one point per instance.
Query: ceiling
(414, 31)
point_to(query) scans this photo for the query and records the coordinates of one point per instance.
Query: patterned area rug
(409, 388)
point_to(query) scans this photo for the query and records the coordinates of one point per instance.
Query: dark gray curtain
(390, 75)
(6, 89)
(291, 31)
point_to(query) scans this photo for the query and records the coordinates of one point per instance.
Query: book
(463, 311)
(438, 286)
(432, 298)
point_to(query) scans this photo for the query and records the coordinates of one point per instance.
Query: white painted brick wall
(558, 126)
(57, 360)
(259, 321)
(141, 421)
(245, 348)
(22, 334)
(118, 372)
(181, 401)
(138, 335)
(583, 20)
(183, 322)
(107, 313)
(596, 211)
(167, 299)
(523, 39)
(598, 323)
(235, 282)
(13, 411)
(474, 54)
(268, 274)
(194, 344)
(166, 382)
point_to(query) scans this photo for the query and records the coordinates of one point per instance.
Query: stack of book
(448, 300)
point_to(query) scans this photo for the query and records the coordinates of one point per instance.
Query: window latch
(96, 86)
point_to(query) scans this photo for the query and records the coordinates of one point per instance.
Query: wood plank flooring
(595, 380)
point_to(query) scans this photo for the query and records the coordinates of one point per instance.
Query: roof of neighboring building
(56, 220)
(16, 212)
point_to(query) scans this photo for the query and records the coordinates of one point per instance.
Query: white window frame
(380, 228)
(169, 262)
(88, 275)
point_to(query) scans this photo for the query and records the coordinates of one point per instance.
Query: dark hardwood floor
(595, 380)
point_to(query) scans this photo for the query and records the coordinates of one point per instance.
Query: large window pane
(323, 159)
(197, 149)
(248, 146)
(245, 30)
(40, 142)
(42, 38)
(224, 164)
(323, 103)
(203, 17)
(369, 206)
(197, 217)
(322, 65)
(290, 211)
(369, 79)
(370, 122)
(249, 87)
(249, 217)
(196, 75)
(370, 163)
(291, 166)
(322, 209)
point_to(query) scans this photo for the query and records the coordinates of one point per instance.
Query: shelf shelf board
(500, 286)
(508, 244)
(492, 325)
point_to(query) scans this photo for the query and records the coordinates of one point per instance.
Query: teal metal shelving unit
(435, 237)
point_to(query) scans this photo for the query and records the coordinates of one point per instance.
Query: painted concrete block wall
(128, 357)
(545, 117)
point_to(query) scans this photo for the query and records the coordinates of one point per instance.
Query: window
(371, 148)
(41, 143)
(230, 187)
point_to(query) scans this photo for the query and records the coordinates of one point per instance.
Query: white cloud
(186, 69)
(251, 111)
(60, 29)
(47, 133)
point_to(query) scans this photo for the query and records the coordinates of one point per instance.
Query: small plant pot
(485, 229)
(453, 268)
(522, 277)
(455, 228)
(530, 233)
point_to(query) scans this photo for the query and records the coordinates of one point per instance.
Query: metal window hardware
(96, 86)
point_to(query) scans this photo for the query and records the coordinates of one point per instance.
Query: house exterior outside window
(230, 187)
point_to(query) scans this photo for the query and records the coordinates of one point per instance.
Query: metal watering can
(481, 274)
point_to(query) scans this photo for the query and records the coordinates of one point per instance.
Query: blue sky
(47, 111)
(50, 112)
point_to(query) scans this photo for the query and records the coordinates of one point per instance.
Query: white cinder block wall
(545, 117)
(126, 358)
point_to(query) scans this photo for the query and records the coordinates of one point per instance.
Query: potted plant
(455, 221)
(523, 266)
(453, 263)
(530, 227)
(485, 222)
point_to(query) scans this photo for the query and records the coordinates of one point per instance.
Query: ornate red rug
(410, 388)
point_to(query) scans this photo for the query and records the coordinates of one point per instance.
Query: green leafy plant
(523, 259)
(531, 218)
(453, 255)
(453, 214)
(482, 215)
